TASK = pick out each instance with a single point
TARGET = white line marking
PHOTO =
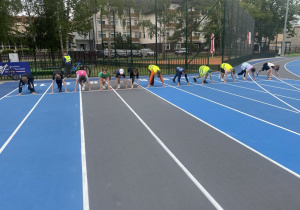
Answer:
(278, 126)
(246, 98)
(25, 118)
(8, 94)
(248, 147)
(264, 92)
(281, 88)
(85, 191)
(289, 70)
(274, 95)
(186, 171)
(286, 83)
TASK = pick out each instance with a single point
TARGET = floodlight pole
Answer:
(156, 32)
(186, 31)
(284, 30)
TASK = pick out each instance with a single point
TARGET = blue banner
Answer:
(20, 67)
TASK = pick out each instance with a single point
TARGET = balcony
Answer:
(133, 27)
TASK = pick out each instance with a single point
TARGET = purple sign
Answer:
(20, 67)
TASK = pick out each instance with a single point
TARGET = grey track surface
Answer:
(283, 73)
(128, 169)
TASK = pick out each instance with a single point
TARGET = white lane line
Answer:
(289, 70)
(278, 126)
(246, 98)
(286, 83)
(19, 126)
(274, 95)
(8, 94)
(248, 147)
(85, 190)
(186, 171)
(280, 88)
(264, 92)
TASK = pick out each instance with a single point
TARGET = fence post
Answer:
(168, 66)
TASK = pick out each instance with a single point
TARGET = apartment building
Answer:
(104, 28)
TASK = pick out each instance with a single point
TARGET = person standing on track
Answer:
(81, 78)
(28, 79)
(59, 78)
(120, 73)
(104, 78)
(153, 69)
(246, 67)
(179, 72)
(133, 72)
(226, 68)
(204, 71)
(68, 64)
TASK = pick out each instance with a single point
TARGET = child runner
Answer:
(28, 79)
(226, 68)
(120, 73)
(133, 72)
(59, 78)
(153, 69)
(179, 72)
(204, 71)
(268, 67)
(82, 77)
(104, 78)
(246, 67)
(68, 64)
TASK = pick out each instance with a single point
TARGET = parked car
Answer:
(112, 53)
(147, 52)
(181, 51)
(136, 53)
(121, 53)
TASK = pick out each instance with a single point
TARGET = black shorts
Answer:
(222, 71)
(265, 67)
(118, 75)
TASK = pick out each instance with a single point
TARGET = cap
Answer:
(121, 71)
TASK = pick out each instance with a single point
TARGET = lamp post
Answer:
(284, 30)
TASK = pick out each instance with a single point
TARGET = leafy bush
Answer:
(6, 51)
(25, 51)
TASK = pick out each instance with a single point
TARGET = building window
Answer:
(125, 34)
(137, 34)
(166, 46)
(99, 21)
(196, 33)
(128, 22)
(196, 46)
(167, 33)
(144, 35)
(136, 22)
(177, 46)
(112, 35)
(112, 22)
(99, 34)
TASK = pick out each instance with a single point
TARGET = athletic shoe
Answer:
(119, 85)
(173, 80)
(257, 74)
(194, 79)
(60, 90)
(82, 88)
(103, 87)
(237, 76)
(222, 79)
(205, 82)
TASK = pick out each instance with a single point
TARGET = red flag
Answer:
(212, 43)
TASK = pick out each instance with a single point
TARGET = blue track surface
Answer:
(41, 165)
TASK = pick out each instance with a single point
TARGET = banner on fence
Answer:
(20, 67)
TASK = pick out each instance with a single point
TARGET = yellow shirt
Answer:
(154, 68)
(227, 67)
(203, 70)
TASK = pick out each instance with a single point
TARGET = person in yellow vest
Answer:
(68, 64)
(204, 71)
(153, 69)
(226, 68)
